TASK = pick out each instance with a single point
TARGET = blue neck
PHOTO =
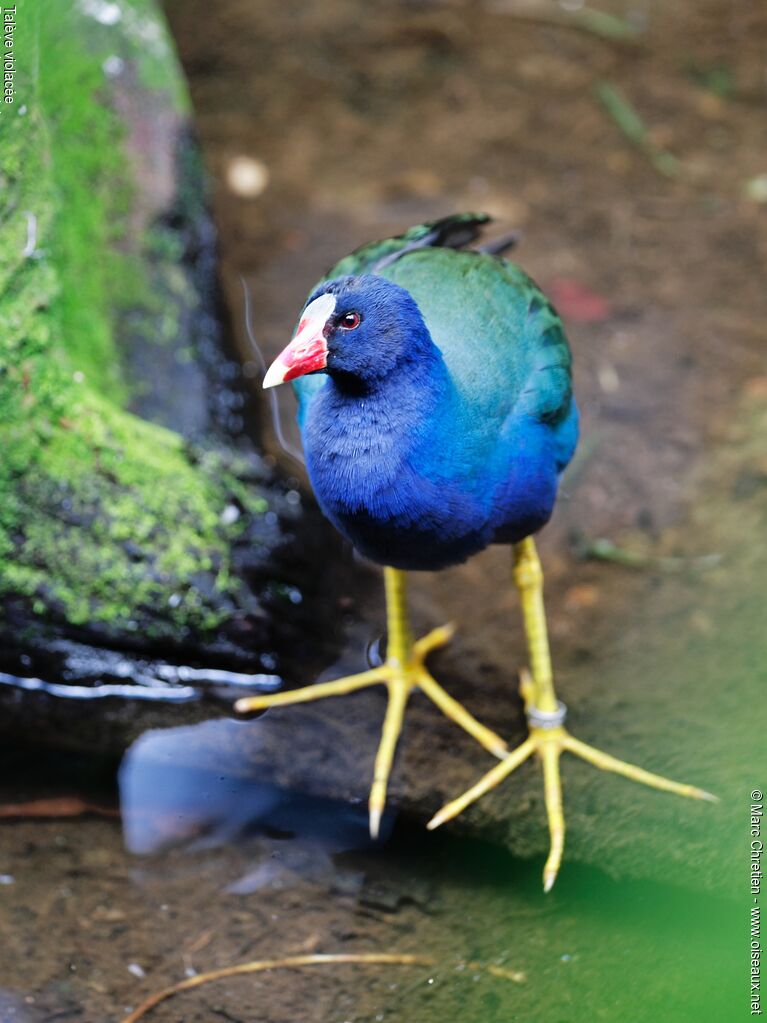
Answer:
(365, 432)
(404, 403)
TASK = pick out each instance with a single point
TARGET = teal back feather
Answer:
(503, 343)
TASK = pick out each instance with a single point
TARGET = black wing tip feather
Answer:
(452, 232)
(461, 229)
(456, 230)
(503, 243)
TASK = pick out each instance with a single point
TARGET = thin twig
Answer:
(602, 549)
(260, 965)
(274, 405)
(633, 127)
(54, 808)
(31, 243)
(589, 20)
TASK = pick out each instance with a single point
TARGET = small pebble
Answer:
(756, 387)
(756, 188)
(103, 11)
(580, 596)
(247, 177)
(113, 66)
(608, 378)
(229, 515)
(136, 970)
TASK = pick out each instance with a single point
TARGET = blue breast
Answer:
(412, 482)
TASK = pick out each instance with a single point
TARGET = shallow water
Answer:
(224, 870)
(187, 858)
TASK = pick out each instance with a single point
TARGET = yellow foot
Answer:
(549, 739)
(400, 678)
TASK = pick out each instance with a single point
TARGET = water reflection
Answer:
(168, 799)
(12, 1008)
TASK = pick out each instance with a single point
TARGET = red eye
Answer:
(349, 321)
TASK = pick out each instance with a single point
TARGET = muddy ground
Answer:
(369, 117)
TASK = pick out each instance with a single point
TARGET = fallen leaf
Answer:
(60, 806)
(576, 302)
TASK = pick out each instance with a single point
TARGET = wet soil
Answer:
(369, 117)
(122, 927)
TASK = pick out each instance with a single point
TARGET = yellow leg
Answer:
(552, 790)
(392, 726)
(546, 716)
(403, 671)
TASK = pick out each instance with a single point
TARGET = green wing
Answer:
(501, 339)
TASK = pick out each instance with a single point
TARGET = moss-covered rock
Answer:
(114, 528)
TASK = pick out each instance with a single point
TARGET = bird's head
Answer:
(353, 328)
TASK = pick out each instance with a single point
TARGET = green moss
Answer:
(104, 519)
(117, 524)
(102, 271)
